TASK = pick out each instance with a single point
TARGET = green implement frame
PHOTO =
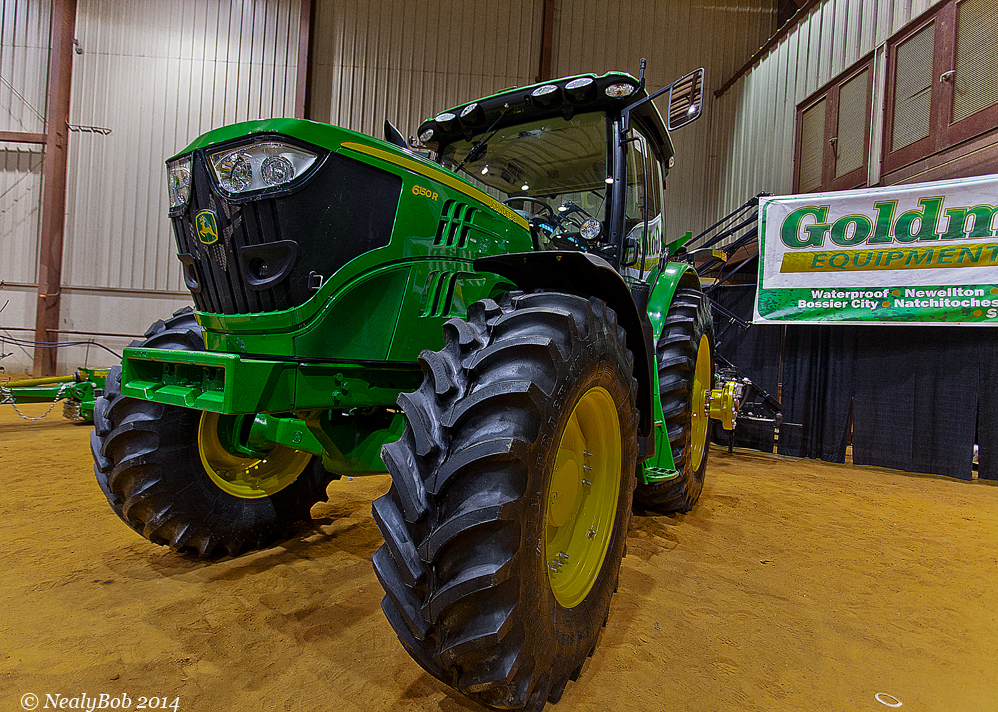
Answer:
(80, 390)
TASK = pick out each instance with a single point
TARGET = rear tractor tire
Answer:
(511, 496)
(685, 356)
(166, 474)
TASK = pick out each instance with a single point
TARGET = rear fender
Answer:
(674, 276)
(587, 275)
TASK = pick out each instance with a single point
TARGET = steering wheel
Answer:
(545, 209)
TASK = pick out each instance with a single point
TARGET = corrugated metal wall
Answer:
(407, 60)
(24, 41)
(156, 73)
(675, 38)
(753, 129)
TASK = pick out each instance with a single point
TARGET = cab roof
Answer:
(568, 96)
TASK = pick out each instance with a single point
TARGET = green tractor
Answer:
(499, 329)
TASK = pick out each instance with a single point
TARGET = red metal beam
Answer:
(54, 186)
(547, 41)
(302, 93)
(22, 137)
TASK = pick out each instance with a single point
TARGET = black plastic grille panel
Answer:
(273, 253)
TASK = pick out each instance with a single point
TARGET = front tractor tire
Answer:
(511, 496)
(167, 475)
(685, 356)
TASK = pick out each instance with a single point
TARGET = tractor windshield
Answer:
(552, 171)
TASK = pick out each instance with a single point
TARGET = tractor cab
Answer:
(582, 159)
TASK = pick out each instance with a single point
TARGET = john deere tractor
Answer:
(499, 328)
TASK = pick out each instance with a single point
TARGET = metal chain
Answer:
(8, 399)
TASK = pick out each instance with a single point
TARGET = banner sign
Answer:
(923, 253)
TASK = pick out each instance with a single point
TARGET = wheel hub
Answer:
(582, 497)
(242, 476)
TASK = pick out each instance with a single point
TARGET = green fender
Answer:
(660, 466)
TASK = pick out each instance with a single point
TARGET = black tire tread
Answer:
(455, 608)
(688, 317)
(131, 447)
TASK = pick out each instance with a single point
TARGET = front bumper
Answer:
(231, 384)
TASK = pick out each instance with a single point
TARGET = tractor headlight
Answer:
(178, 181)
(259, 166)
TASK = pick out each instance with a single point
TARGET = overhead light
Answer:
(472, 115)
(546, 96)
(447, 120)
(609, 180)
(562, 208)
(524, 187)
(619, 90)
(692, 110)
(485, 170)
(581, 89)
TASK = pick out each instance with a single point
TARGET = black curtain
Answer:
(817, 391)
(916, 398)
(987, 404)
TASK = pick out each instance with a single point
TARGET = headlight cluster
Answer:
(259, 166)
(178, 181)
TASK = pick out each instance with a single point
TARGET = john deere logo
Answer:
(207, 227)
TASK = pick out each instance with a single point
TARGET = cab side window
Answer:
(643, 202)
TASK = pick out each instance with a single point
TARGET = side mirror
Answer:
(685, 100)
(393, 135)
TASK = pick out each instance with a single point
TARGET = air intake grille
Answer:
(913, 88)
(812, 145)
(976, 77)
(455, 224)
(850, 149)
(273, 253)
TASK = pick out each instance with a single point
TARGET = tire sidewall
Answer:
(600, 362)
(694, 476)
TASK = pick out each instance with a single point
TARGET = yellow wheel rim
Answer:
(700, 418)
(246, 477)
(582, 497)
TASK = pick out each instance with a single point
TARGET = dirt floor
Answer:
(791, 586)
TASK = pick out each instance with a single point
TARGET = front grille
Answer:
(275, 252)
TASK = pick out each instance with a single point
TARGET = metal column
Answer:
(54, 182)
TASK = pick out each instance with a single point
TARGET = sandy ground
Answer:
(792, 586)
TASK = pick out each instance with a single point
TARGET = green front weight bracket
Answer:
(267, 431)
